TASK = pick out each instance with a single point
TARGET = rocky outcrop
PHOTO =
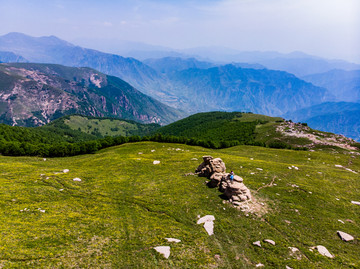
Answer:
(215, 170)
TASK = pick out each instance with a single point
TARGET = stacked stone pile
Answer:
(215, 170)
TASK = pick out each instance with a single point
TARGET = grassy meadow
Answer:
(124, 206)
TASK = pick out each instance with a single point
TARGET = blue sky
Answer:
(328, 28)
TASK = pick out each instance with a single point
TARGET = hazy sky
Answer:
(329, 28)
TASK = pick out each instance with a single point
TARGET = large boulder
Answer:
(215, 170)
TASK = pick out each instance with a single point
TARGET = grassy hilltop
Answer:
(125, 205)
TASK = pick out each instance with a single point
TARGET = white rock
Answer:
(44, 159)
(339, 220)
(209, 227)
(355, 203)
(77, 179)
(177, 149)
(156, 162)
(290, 167)
(173, 240)
(257, 243)
(344, 236)
(260, 169)
(288, 267)
(153, 150)
(165, 250)
(66, 171)
(323, 251)
(338, 165)
(270, 241)
(293, 249)
(42, 210)
(259, 265)
(205, 219)
(61, 189)
(140, 153)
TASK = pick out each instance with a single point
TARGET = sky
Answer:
(326, 28)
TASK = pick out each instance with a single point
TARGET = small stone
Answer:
(44, 159)
(355, 202)
(260, 169)
(42, 210)
(338, 165)
(344, 236)
(156, 162)
(140, 153)
(205, 219)
(77, 179)
(165, 250)
(259, 265)
(257, 243)
(209, 227)
(323, 251)
(290, 167)
(270, 241)
(66, 171)
(293, 249)
(173, 240)
(288, 267)
(153, 150)
(339, 220)
(61, 189)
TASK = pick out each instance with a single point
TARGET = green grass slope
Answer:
(125, 205)
(101, 127)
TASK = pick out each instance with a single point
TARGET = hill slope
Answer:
(118, 212)
(35, 94)
(336, 117)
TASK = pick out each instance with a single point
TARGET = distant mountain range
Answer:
(35, 94)
(344, 85)
(203, 82)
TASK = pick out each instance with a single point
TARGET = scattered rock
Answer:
(344, 236)
(293, 249)
(257, 243)
(165, 250)
(260, 169)
(259, 265)
(66, 171)
(208, 221)
(355, 202)
(270, 241)
(153, 150)
(61, 189)
(140, 153)
(323, 251)
(77, 179)
(156, 162)
(173, 240)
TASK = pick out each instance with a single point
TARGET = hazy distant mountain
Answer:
(344, 85)
(174, 64)
(10, 57)
(34, 94)
(232, 88)
(297, 63)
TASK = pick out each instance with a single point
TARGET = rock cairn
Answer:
(215, 170)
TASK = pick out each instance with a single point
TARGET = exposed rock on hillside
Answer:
(215, 170)
(298, 130)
